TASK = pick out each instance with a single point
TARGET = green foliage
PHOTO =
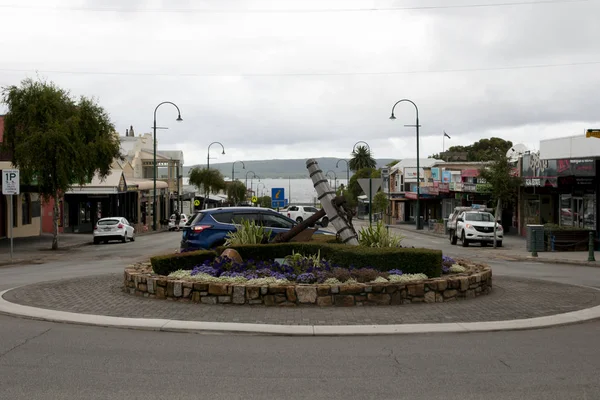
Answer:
(361, 158)
(55, 140)
(503, 185)
(380, 202)
(264, 201)
(247, 233)
(236, 192)
(378, 236)
(392, 163)
(207, 180)
(482, 150)
(354, 189)
(409, 260)
(299, 260)
(164, 265)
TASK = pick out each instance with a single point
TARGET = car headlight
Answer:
(469, 226)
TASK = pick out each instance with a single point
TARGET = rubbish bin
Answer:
(445, 226)
(535, 238)
(420, 223)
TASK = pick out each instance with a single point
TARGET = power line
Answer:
(293, 74)
(288, 11)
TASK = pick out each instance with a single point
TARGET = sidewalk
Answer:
(513, 247)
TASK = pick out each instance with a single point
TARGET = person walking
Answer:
(177, 219)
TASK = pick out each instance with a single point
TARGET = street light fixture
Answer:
(233, 169)
(361, 141)
(392, 117)
(208, 153)
(258, 190)
(155, 169)
(253, 174)
(347, 170)
(334, 179)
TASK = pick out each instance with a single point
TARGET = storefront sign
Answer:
(435, 174)
(469, 187)
(541, 182)
(446, 176)
(444, 187)
(458, 186)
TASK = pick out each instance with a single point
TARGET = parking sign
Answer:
(10, 181)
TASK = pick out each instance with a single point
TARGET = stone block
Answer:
(255, 302)
(351, 289)
(269, 300)
(264, 290)
(252, 292)
(377, 288)
(306, 294)
(431, 285)
(151, 284)
(450, 293)
(429, 297)
(196, 297)
(161, 282)
(280, 298)
(142, 287)
(201, 287)
(232, 254)
(379, 298)
(341, 300)
(186, 292)
(391, 289)
(290, 293)
(416, 290)
(335, 289)
(217, 289)
(368, 289)
(224, 299)
(417, 299)
(360, 297)
(473, 285)
(464, 284)
(472, 280)
(188, 284)
(323, 290)
(276, 289)
(477, 278)
(161, 293)
(177, 289)
(208, 300)
(442, 285)
(170, 289)
(453, 284)
(396, 298)
(439, 298)
(324, 301)
(239, 295)
(470, 294)
(204, 293)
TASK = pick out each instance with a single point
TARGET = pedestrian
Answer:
(177, 219)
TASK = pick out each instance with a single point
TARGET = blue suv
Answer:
(208, 228)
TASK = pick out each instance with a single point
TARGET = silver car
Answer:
(113, 228)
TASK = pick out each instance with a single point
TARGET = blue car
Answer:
(208, 228)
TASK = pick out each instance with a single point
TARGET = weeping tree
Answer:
(236, 192)
(361, 158)
(56, 141)
(207, 180)
(504, 185)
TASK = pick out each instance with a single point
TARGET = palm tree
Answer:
(209, 180)
(361, 158)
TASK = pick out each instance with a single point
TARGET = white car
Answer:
(172, 222)
(113, 228)
(477, 227)
(300, 213)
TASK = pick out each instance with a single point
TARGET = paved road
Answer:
(41, 360)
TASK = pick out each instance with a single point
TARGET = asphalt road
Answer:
(40, 360)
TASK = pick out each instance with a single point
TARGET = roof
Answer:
(147, 184)
(412, 163)
(114, 182)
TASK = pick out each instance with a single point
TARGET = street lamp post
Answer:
(418, 218)
(254, 175)
(334, 179)
(208, 153)
(347, 170)
(155, 169)
(370, 182)
(258, 190)
(233, 169)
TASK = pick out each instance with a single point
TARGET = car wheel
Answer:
(453, 237)
(325, 222)
(132, 238)
(299, 220)
(464, 241)
(124, 238)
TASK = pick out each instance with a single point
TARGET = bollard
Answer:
(552, 242)
(534, 250)
(591, 248)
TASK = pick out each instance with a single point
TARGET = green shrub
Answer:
(409, 260)
(247, 232)
(378, 236)
(164, 265)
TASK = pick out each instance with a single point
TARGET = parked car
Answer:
(113, 228)
(301, 213)
(208, 229)
(182, 221)
(474, 226)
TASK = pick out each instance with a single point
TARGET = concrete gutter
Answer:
(168, 325)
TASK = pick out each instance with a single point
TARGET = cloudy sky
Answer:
(310, 78)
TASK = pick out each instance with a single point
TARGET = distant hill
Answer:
(292, 168)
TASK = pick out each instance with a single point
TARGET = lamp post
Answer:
(257, 188)
(418, 218)
(334, 179)
(370, 183)
(233, 169)
(155, 169)
(361, 141)
(208, 153)
(347, 170)
(253, 174)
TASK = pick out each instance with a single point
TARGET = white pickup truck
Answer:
(300, 213)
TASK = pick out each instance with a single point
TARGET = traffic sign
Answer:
(254, 199)
(375, 185)
(277, 194)
(10, 181)
(197, 203)
(278, 203)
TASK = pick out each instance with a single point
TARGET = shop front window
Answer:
(589, 212)
(532, 211)
(566, 210)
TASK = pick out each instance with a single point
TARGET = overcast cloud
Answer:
(311, 84)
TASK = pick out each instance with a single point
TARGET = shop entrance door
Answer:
(578, 212)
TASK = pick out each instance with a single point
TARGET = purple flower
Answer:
(306, 278)
(395, 272)
(204, 269)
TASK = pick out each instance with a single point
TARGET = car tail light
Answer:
(200, 228)
(120, 226)
(289, 215)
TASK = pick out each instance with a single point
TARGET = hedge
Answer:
(164, 265)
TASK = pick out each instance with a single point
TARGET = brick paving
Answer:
(512, 298)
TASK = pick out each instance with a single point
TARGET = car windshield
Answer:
(487, 217)
(108, 222)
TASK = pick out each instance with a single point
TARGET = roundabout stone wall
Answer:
(437, 290)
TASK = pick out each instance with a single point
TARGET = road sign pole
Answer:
(10, 222)
(370, 200)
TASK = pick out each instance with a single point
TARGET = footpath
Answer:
(514, 247)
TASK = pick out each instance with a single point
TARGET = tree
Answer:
(236, 192)
(207, 180)
(482, 150)
(503, 184)
(361, 158)
(55, 141)
(391, 164)
(380, 202)
(264, 201)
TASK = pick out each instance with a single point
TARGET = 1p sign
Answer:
(10, 181)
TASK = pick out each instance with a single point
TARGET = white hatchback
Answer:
(172, 222)
(113, 228)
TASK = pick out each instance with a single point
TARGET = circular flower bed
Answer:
(300, 279)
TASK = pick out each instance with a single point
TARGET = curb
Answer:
(166, 325)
